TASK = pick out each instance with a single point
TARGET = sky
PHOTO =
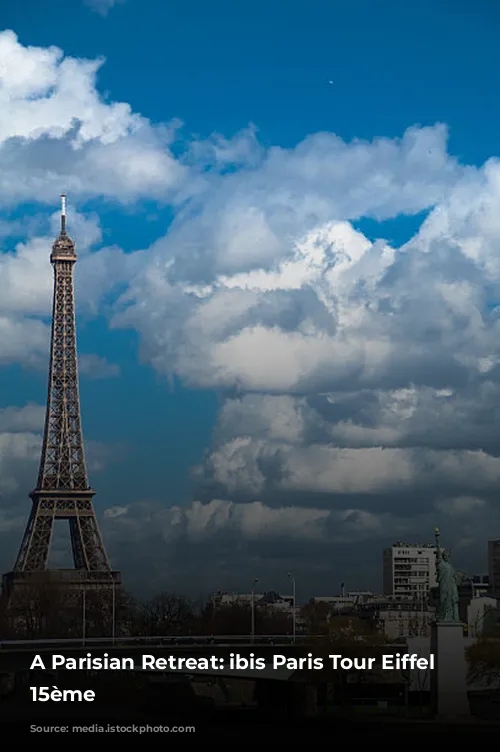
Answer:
(288, 285)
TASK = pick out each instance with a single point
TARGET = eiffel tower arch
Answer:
(63, 491)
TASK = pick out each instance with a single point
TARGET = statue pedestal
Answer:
(449, 678)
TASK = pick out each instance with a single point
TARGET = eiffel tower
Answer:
(63, 490)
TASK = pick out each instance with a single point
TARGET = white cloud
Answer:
(58, 134)
(250, 521)
(22, 341)
(238, 466)
(405, 418)
(16, 450)
(339, 308)
(22, 419)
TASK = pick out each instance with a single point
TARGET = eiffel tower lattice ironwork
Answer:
(63, 491)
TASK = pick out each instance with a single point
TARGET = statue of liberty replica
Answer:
(448, 580)
(449, 679)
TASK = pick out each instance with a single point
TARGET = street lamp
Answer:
(256, 579)
(294, 617)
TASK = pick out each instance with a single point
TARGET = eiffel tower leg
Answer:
(77, 544)
(88, 548)
(21, 556)
(34, 551)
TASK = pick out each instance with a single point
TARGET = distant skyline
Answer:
(288, 285)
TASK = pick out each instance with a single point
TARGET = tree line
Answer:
(45, 610)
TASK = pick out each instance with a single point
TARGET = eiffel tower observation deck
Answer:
(63, 491)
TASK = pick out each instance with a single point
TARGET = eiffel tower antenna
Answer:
(63, 491)
(63, 214)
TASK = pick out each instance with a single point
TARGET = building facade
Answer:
(480, 584)
(346, 601)
(273, 600)
(409, 571)
(400, 622)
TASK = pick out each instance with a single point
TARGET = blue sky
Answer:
(266, 128)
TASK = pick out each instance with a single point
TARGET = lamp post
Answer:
(256, 579)
(294, 617)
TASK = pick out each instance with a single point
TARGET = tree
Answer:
(38, 609)
(166, 614)
(226, 619)
(101, 607)
(316, 617)
(44, 608)
(348, 636)
(236, 619)
(273, 621)
(484, 660)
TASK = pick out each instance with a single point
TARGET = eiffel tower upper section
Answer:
(62, 465)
